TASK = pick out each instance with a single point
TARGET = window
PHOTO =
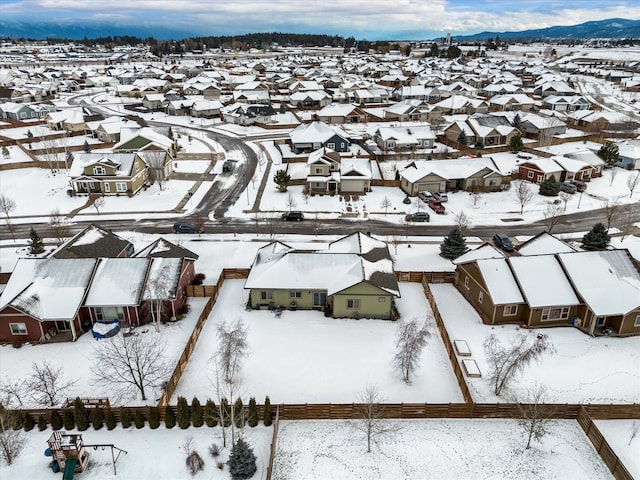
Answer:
(318, 170)
(637, 322)
(466, 283)
(353, 303)
(510, 310)
(99, 171)
(121, 187)
(529, 174)
(295, 294)
(556, 313)
(107, 187)
(18, 328)
(331, 145)
(384, 299)
(107, 314)
(266, 295)
(480, 297)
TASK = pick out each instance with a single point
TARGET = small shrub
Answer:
(220, 465)
(266, 415)
(242, 461)
(169, 418)
(110, 419)
(198, 279)
(195, 463)
(210, 413)
(42, 423)
(68, 420)
(214, 450)
(28, 423)
(183, 415)
(138, 419)
(184, 309)
(197, 415)
(56, 420)
(154, 417)
(81, 413)
(125, 417)
(97, 418)
(253, 413)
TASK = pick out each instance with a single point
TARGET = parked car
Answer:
(227, 166)
(417, 217)
(436, 206)
(184, 227)
(293, 216)
(502, 241)
(580, 185)
(568, 187)
(425, 196)
(440, 196)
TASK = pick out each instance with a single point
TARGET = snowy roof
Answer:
(485, 251)
(315, 132)
(542, 281)
(166, 249)
(117, 282)
(123, 161)
(499, 281)
(544, 244)
(162, 279)
(48, 289)
(337, 110)
(608, 281)
(92, 242)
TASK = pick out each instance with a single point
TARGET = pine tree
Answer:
(5, 151)
(515, 144)
(110, 419)
(125, 417)
(462, 137)
(169, 418)
(242, 461)
(610, 153)
(27, 422)
(138, 419)
(183, 415)
(453, 245)
(226, 412)
(56, 420)
(82, 416)
(36, 245)
(68, 421)
(197, 415)
(42, 423)
(86, 147)
(253, 413)
(97, 418)
(282, 179)
(266, 414)
(550, 187)
(154, 417)
(238, 413)
(211, 413)
(597, 238)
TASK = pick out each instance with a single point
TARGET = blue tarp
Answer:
(105, 329)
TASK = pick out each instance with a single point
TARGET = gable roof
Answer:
(499, 280)
(316, 132)
(93, 242)
(542, 281)
(117, 282)
(544, 244)
(162, 248)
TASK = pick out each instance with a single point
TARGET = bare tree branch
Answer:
(47, 385)
(411, 338)
(371, 417)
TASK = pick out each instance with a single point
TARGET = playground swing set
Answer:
(70, 454)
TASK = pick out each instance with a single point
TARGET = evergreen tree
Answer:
(453, 245)
(169, 418)
(253, 413)
(5, 151)
(82, 416)
(282, 179)
(110, 419)
(56, 420)
(610, 153)
(550, 187)
(515, 144)
(226, 412)
(266, 414)
(97, 418)
(517, 121)
(35, 242)
(27, 422)
(138, 419)
(242, 461)
(42, 423)
(86, 147)
(183, 415)
(238, 412)
(433, 50)
(154, 417)
(68, 421)
(197, 415)
(462, 137)
(211, 413)
(125, 417)
(597, 238)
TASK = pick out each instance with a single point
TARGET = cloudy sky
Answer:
(370, 19)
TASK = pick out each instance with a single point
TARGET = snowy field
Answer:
(152, 454)
(435, 450)
(584, 369)
(305, 357)
(618, 434)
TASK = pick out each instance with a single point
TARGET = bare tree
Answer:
(386, 204)
(506, 361)
(411, 338)
(12, 438)
(306, 194)
(157, 291)
(232, 349)
(632, 182)
(552, 216)
(291, 202)
(476, 193)
(156, 163)
(535, 415)
(52, 148)
(47, 385)
(565, 197)
(130, 364)
(98, 201)
(611, 209)
(13, 392)
(462, 220)
(199, 221)
(59, 229)
(371, 419)
(7, 205)
(524, 193)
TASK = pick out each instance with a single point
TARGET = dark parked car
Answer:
(568, 187)
(294, 216)
(417, 217)
(436, 206)
(580, 185)
(184, 227)
(502, 241)
(227, 166)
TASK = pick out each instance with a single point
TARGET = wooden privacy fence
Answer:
(274, 444)
(209, 290)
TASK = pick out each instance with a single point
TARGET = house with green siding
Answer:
(353, 277)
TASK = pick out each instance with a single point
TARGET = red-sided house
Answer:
(539, 169)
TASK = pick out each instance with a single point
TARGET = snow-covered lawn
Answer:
(77, 358)
(435, 450)
(304, 356)
(618, 434)
(584, 369)
(152, 454)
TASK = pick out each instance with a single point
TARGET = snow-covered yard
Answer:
(305, 357)
(436, 450)
(584, 369)
(619, 436)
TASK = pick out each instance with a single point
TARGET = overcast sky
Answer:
(370, 19)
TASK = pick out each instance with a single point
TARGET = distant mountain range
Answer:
(611, 28)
